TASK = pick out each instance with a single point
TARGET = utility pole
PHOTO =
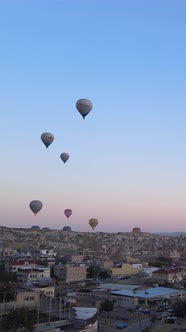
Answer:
(69, 306)
(60, 307)
(140, 322)
(49, 314)
(38, 309)
(14, 300)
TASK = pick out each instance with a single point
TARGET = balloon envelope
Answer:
(93, 222)
(47, 139)
(84, 106)
(35, 227)
(36, 206)
(68, 212)
(64, 156)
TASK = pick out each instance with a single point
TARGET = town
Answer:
(72, 281)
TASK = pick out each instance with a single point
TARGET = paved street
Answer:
(139, 326)
(110, 326)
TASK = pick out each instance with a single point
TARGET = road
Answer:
(139, 326)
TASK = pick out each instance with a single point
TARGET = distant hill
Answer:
(113, 245)
(171, 233)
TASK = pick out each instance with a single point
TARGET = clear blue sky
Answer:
(127, 163)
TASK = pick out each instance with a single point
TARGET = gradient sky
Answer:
(127, 163)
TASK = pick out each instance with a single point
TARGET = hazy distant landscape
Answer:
(118, 245)
(171, 233)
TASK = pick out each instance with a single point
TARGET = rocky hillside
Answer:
(117, 244)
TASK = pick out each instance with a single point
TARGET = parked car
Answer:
(143, 310)
(167, 307)
(121, 326)
(165, 314)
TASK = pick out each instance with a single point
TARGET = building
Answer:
(25, 297)
(107, 264)
(170, 254)
(85, 318)
(130, 259)
(109, 250)
(75, 272)
(167, 276)
(127, 269)
(71, 272)
(148, 296)
(104, 290)
(59, 270)
(23, 255)
(44, 288)
(174, 254)
(47, 255)
(30, 274)
(8, 252)
(14, 254)
(77, 258)
(70, 299)
(12, 266)
(22, 297)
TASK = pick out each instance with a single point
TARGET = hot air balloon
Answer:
(64, 156)
(67, 229)
(68, 212)
(93, 222)
(47, 139)
(36, 206)
(35, 227)
(84, 106)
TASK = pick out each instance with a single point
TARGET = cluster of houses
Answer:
(34, 281)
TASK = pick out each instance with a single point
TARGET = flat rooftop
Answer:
(148, 292)
(84, 313)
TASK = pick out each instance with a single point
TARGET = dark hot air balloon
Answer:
(84, 106)
(36, 206)
(64, 156)
(47, 139)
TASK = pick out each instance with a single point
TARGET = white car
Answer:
(166, 314)
(144, 310)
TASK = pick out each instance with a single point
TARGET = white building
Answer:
(8, 252)
(47, 255)
(43, 288)
(30, 274)
(85, 318)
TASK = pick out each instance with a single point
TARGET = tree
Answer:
(6, 277)
(106, 306)
(19, 318)
(104, 274)
(180, 309)
(7, 293)
(93, 271)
